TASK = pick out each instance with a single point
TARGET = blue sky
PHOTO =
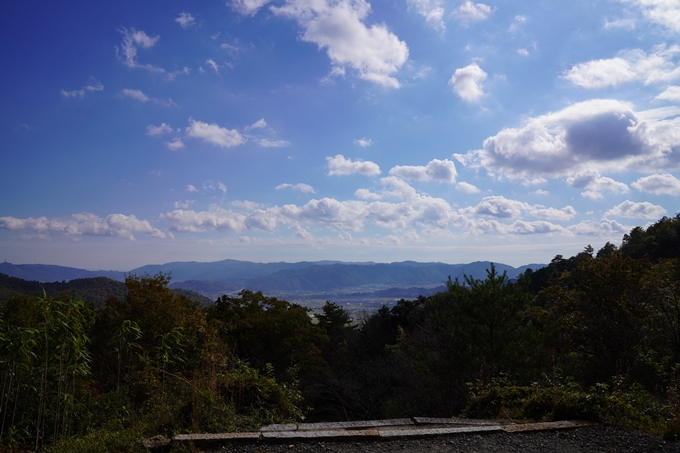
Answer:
(287, 130)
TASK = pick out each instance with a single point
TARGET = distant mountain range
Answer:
(319, 277)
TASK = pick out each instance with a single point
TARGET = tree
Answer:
(265, 330)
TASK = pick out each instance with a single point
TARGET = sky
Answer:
(139, 132)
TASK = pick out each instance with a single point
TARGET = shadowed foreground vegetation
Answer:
(595, 336)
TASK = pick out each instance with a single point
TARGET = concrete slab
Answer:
(355, 425)
(425, 432)
(279, 427)
(546, 426)
(336, 434)
(215, 437)
(458, 421)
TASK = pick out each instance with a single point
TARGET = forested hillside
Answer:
(595, 336)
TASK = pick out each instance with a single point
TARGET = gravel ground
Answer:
(578, 440)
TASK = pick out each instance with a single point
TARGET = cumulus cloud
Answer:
(473, 12)
(191, 189)
(595, 184)
(467, 187)
(222, 188)
(132, 41)
(95, 85)
(498, 206)
(439, 170)
(363, 142)
(566, 213)
(662, 12)
(365, 194)
(432, 11)
(175, 144)
(248, 7)
(215, 219)
(665, 184)
(632, 210)
(158, 130)
(186, 20)
(671, 93)
(338, 26)
(628, 66)
(601, 134)
(300, 187)
(85, 224)
(467, 83)
(603, 227)
(214, 134)
(341, 166)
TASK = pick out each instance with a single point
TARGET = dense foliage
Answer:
(593, 336)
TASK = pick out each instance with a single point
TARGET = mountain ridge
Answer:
(280, 277)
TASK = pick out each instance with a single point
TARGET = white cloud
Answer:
(523, 52)
(158, 130)
(374, 52)
(173, 75)
(566, 213)
(498, 206)
(186, 20)
(412, 214)
(662, 12)
(540, 192)
(94, 86)
(628, 24)
(175, 144)
(363, 142)
(432, 11)
(671, 93)
(300, 187)
(601, 134)
(246, 205)
(222, 188)
(421, 74)
(628, 66)
(85, 224)
(472, 12)
(595, 184)
(259, 124)
(248, 7)
(534, 181)
(132, 40)
(365, 194)
(136, 94)
(191, 189)
(214, 66)
(341, 166)
(467, 83)
(467, 187)
(212, 133)
(442, 170)
(631, 210)
(517, 23)
(665, 184)
(267, 143)
(183, 204)
(604, 227)
(215, 219)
